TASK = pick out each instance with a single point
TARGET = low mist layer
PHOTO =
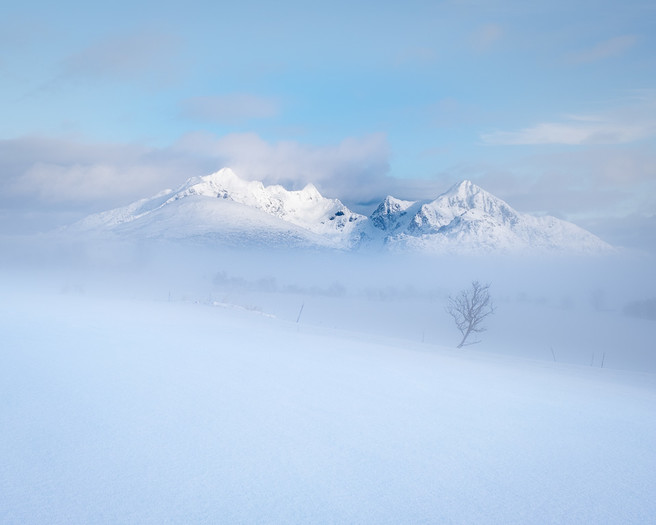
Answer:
(581, 310)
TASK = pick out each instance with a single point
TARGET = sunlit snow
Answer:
(219, 206)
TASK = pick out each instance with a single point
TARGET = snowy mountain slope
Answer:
(393, 214)
(467, 218)
(225, 208)
(221, 221)
(129, 213)
(203, 219)
(306, 208)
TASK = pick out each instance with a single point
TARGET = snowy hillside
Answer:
(155, 383)
(222, 207)
(155, 411)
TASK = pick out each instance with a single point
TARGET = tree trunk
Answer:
(464, 338)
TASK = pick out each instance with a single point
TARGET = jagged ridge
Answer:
(465, 218)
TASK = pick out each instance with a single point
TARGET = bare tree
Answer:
(469, 308)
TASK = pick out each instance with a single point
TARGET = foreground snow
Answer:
(128, 411)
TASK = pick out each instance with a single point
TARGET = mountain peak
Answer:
(217, 184)
(464, 189)
(311, 192)
(389, 213)
(464, 218)
(224, 173)
(223, 176)
(226, 177)
(392, 204)
(466, 196)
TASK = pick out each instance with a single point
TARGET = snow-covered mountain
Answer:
(466, 218)
(224, 208)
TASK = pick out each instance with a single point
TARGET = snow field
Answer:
(141, 411)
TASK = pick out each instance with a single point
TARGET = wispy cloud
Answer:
(486, 36)
(229, 109)
(571, 132)
(137, 55)
(616, 126)
(610, 48)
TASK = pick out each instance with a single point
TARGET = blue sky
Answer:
(551, 106)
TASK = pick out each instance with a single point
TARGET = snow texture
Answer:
(132, 411)
(192, 385)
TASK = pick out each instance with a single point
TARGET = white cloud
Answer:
(230, 109)
(352, 167)
(622, 125)
(610, 48)
(84, 183)
(39, 175)
(570, 132)
(43, 172)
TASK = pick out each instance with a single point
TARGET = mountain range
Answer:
(223, 208)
